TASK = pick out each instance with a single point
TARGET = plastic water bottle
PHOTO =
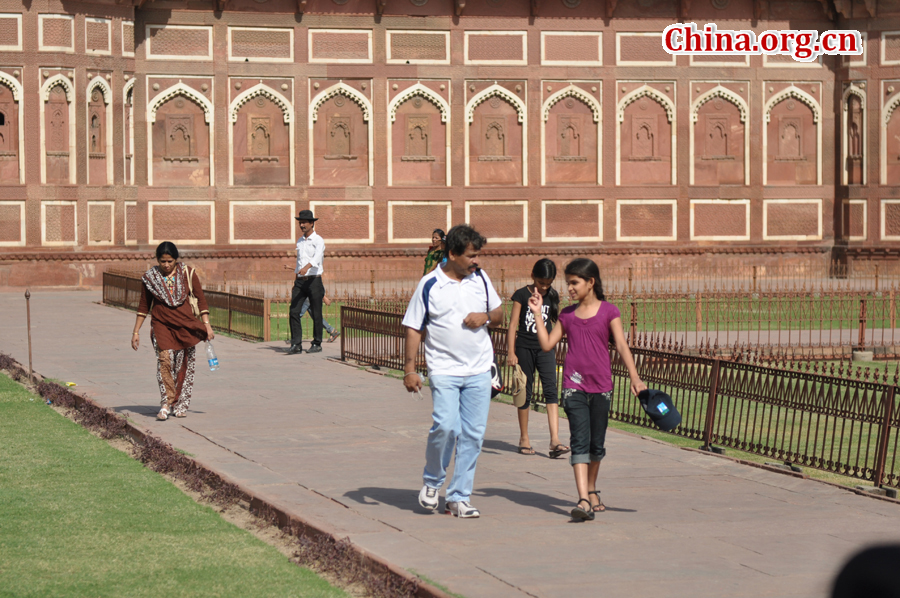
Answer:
(211, 357)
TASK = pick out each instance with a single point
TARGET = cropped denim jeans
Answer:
(461, 405)
(588, 415)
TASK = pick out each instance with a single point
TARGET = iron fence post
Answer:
(228, 304)
(372, 284)
(884, 433)
(711, 404)
(28, 319)
(267, 322)
(862, 323)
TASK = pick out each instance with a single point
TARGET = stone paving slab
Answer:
(344, 448)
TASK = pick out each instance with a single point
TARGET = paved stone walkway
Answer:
(345, 448)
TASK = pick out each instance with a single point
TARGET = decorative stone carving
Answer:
(793, 92)
(180, 89)
(179, 139)
(573, 92)
(498, 91)
(338, 141)
(261, 90)
(343, 90)
(418, 138)
(646, 91)
(419, 90)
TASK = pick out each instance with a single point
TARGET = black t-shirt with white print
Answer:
(526, 336)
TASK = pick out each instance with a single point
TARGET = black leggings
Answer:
(545, 363)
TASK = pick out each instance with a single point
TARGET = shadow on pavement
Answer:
(402, 498)
(526, 498)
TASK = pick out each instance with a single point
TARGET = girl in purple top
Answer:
(587, 375)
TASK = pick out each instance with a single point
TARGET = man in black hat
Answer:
(307, 284)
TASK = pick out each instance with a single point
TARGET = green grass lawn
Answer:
(80, 518)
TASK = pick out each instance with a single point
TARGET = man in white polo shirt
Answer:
(457, 304)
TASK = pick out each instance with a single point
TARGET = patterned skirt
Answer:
(175, 374)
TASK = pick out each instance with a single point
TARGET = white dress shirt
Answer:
(452, 348)
(310, 250)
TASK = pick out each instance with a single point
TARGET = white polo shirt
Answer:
(451, 348)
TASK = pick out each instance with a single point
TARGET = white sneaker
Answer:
(428, 498)
(462, 509)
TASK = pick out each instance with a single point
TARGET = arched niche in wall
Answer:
(340, 138)
(853, 138)
(645, 138)
(128, 131)
(890, 140)
(418, 139)
(261, 138)
(496, 130)
(720, 145)
(57, 131)
(571, 138)
(180, 138)
(99, 132)
(792, 140)
(12, 132)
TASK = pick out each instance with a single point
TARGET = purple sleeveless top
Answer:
(587, 365)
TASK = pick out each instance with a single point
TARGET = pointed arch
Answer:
(726, 94)
(495, 90)
(264, 90)
(343, 89)
(419, 90)
(442, 105)
(164, 96)
(128, 133)
(100, 82)
(18, 96)
(573, 92)
(646, 91)
(287, 110)
(798, 94)
(729, 96)
(853, 90)
(593, 103)
(104, 87)
(62, 81)
(14, 86)
(48, 85)
(180, 89)
(792, 91)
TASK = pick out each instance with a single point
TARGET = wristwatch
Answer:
(488, 314)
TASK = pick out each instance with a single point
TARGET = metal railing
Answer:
(814, 419)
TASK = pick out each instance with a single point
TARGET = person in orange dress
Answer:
(174, 330)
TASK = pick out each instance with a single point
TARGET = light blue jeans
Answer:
(305, 308)
(461, 406)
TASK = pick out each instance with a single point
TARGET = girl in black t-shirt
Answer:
(523, 349)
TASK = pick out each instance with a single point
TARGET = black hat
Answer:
(305, 215)
(660, 408)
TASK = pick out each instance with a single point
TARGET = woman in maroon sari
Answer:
(174, 330)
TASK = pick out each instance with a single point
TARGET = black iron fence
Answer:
(813, 419)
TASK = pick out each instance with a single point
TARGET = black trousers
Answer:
(312, 289)
(545, 364)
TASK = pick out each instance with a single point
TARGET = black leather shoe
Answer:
(295, 349)
(315, 349)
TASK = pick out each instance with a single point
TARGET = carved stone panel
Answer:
(718, 144)
(341, 152)
(792, 140)
(261, 144)
(418, 140)
(646, 146)
(9, 138)
(129, 150)
(495, 144)
(855, 132)
(180, 144)
(97, 154)
(56, 131)
(571, 144)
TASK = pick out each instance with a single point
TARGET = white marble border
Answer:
(352, 94)
(671, 111)
(703, 63)
(173, 202)
(371, 204)
(112, 222)
(884, 235)
(233, 58)
(18, 94)
(290, 205)
(287, 109)
(68, 86)
(44, 240)
(598, 62)
(865, 205)
(128, 136)
(126, 52)
(520, 62)
(148, 41)
(768, 237)
(391, 204)
(106, 90)
(547, 239)
(108, 36)
(21, 241)
(521, 107)
(722, 202)
(42, 47)
(884, 61)
(309, 43)
(18, 17)
(388, 42)
(792, 91)
(732, 97)
(432, 96)
(642, 202)
(516, 202)
(793, 64)
(572, 90)
(620, 62)
(125, 220)
(853, 89)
